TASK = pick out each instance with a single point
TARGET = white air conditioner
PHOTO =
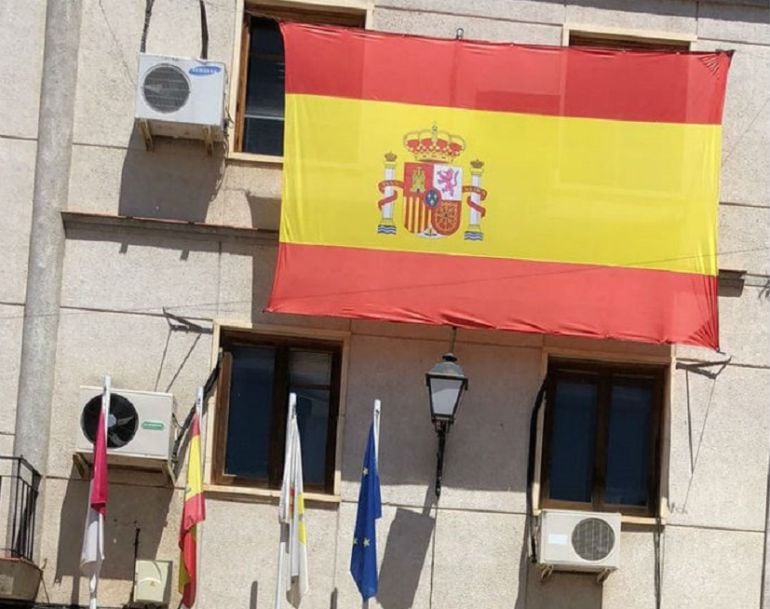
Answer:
(179, 97)
(139, 432)
(579, 541)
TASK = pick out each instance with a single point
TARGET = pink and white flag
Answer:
(92, 554)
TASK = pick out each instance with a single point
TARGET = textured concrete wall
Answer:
(471, 551)
(19, 97)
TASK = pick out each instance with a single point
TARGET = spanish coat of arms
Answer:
(432, 188)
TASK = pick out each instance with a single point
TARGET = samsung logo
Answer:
(205, 70)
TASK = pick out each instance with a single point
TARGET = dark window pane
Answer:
(307, 371)
(251, 403)
(310, 368)
(313, 419)
(628, 445)
(572, 441)
(265, 95)
(263, 136)
(266, 37)
(264, 111)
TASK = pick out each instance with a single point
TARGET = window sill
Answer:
(262, 495)
(254, 159)
(645, 521)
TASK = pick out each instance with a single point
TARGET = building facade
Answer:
(146, 265)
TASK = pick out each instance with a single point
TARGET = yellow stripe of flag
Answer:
(563, 189)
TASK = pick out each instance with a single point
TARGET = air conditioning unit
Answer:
(179, 97)
(139, 431)
(579, 541)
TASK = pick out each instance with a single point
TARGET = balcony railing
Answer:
(19, 483)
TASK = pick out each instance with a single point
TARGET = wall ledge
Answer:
(74, 220)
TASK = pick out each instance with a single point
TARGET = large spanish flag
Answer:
(538, 189)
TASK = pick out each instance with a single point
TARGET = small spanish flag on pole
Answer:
(193, 513)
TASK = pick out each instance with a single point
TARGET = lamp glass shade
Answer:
(444, 396)
(446, 383)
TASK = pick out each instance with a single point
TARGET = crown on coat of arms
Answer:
(434, 145)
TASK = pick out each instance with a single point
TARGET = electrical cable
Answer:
(531, 466)
(204, 31)
(656, 537)
(137, 531)
(208, 386)
(146, 26)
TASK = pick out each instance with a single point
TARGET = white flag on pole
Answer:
(292, 563)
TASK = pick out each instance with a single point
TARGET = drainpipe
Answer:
(765, 591)
(46, 241)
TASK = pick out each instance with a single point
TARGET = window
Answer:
(619, 41)
(258, 374)
(600, 448)
(260, 107)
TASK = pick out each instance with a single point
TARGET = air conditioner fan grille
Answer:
(122, 422)
(166, 88)
(593, 539)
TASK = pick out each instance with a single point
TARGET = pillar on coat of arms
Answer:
(474, 232)
(386, 225)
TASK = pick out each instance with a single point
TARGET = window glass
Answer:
(310, 368)
(310, 377)
(250, 435)
(628, 445)
(264, 112)
(601, 424)
(573, 439)
(250, 412)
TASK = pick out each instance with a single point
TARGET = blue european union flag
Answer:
(363, 560)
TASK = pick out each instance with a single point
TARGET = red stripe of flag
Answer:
(656, 86)
(464, 291)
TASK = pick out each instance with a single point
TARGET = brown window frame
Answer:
(323, 15)
(580, 38)
(231, 338)
(603, 374)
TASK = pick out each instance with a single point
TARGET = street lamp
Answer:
(446, 384)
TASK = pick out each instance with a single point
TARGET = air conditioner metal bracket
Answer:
(144, 127)
(547, 570)
(209, 139)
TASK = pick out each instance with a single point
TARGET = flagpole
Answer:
(280, 588)
(199, 412)
(376, 421)
(94, 579)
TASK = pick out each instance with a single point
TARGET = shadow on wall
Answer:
(561, 590)
(265, 213)
(134, 525)
(177, 180)
(410, 539)
(406, 549)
